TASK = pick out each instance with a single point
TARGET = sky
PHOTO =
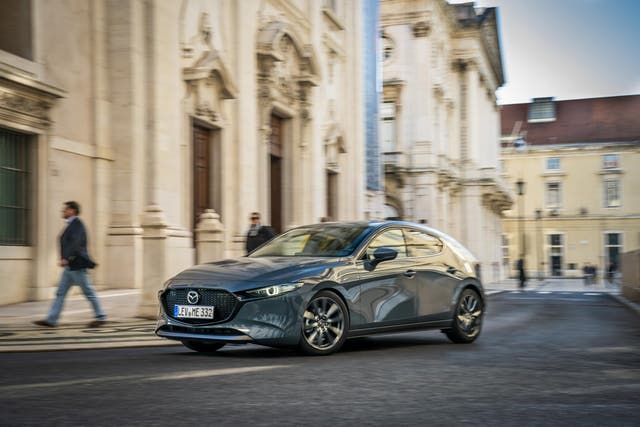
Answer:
(568, 49)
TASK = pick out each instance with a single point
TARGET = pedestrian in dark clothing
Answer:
(589, 274)
(258, 233)
(521, 274)
(74, 259)
(611, 271)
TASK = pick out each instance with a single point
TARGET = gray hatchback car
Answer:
(316, 286)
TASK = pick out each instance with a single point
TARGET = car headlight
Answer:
(275, 290)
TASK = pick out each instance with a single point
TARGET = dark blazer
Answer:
(73, 246)
(264, 234)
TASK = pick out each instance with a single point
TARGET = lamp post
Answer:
(521, 265)
(540, 243)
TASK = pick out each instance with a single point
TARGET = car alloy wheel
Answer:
(467, 320)
(324, 324)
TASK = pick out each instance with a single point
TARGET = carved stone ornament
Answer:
(209, 65)
(205, 110)
(421, 29)
(23, 104)
(27, 105)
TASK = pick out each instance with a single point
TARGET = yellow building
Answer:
(578, 163)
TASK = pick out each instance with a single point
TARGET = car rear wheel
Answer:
(202, 347)
(325, 323)
(467, 319)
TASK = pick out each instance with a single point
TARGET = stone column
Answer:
(155, 260)
(209, 237)
(125, 79)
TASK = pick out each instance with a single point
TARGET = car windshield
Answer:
(331, 240)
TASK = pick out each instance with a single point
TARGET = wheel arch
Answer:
(469, 284)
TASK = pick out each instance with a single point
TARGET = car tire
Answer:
(324, 324)
(467, 318)
(202, 347)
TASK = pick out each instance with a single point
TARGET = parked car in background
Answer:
(317, 285)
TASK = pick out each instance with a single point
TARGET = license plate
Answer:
(193, 311)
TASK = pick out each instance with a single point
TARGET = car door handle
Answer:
(452, 270)
(410, 273)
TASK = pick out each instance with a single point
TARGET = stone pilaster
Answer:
(155, 261)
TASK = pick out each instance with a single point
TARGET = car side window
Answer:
(420, 243)
(389, 239)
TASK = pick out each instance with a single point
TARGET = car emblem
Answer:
(193, 297)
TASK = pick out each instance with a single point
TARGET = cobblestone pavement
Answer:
(124, 329)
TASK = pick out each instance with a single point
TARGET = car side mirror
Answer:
(380, 255)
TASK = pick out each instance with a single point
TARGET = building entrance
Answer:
(206, 180)
(275, 165)
(555, 257)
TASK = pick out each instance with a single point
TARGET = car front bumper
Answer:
(268, 321)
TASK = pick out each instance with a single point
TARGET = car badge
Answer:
(193, 297)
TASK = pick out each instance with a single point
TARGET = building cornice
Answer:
(592, 146)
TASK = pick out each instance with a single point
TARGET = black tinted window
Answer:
(327, 241)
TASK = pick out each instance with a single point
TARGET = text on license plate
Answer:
(193, 311)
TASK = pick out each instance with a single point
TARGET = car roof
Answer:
(378, 224)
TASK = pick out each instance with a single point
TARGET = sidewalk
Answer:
(561, 285)
(124, 329)
(553, 285)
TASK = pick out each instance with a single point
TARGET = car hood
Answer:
(244, 273)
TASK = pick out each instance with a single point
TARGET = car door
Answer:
(436, 274)
(387, 294)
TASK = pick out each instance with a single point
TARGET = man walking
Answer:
(522, 276)
(74, 259)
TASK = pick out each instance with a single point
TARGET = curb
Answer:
(26, 338)
(87, 346)
(633, 306)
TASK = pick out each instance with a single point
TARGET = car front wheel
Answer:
(202, 347)
(325, 323)
(467, 318)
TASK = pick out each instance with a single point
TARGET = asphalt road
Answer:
(542, 359)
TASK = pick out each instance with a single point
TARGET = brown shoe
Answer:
(96, 323)
(44, 323)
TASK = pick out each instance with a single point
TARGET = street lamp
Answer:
(540, 243)
(521, 265)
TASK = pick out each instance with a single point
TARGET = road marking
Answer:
(87, 381)
(92, 381)
(544, 292)
(213, 373)
(592, 293)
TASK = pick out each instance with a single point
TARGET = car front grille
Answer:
(224, 303)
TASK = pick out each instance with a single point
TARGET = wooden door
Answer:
(201, 171)
(275, 148)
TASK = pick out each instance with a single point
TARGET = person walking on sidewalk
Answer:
(74, 259)
(521, 273)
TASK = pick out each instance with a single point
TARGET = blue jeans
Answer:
(68, 279)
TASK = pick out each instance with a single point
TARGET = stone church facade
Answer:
(150, 113)
(440, 124)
